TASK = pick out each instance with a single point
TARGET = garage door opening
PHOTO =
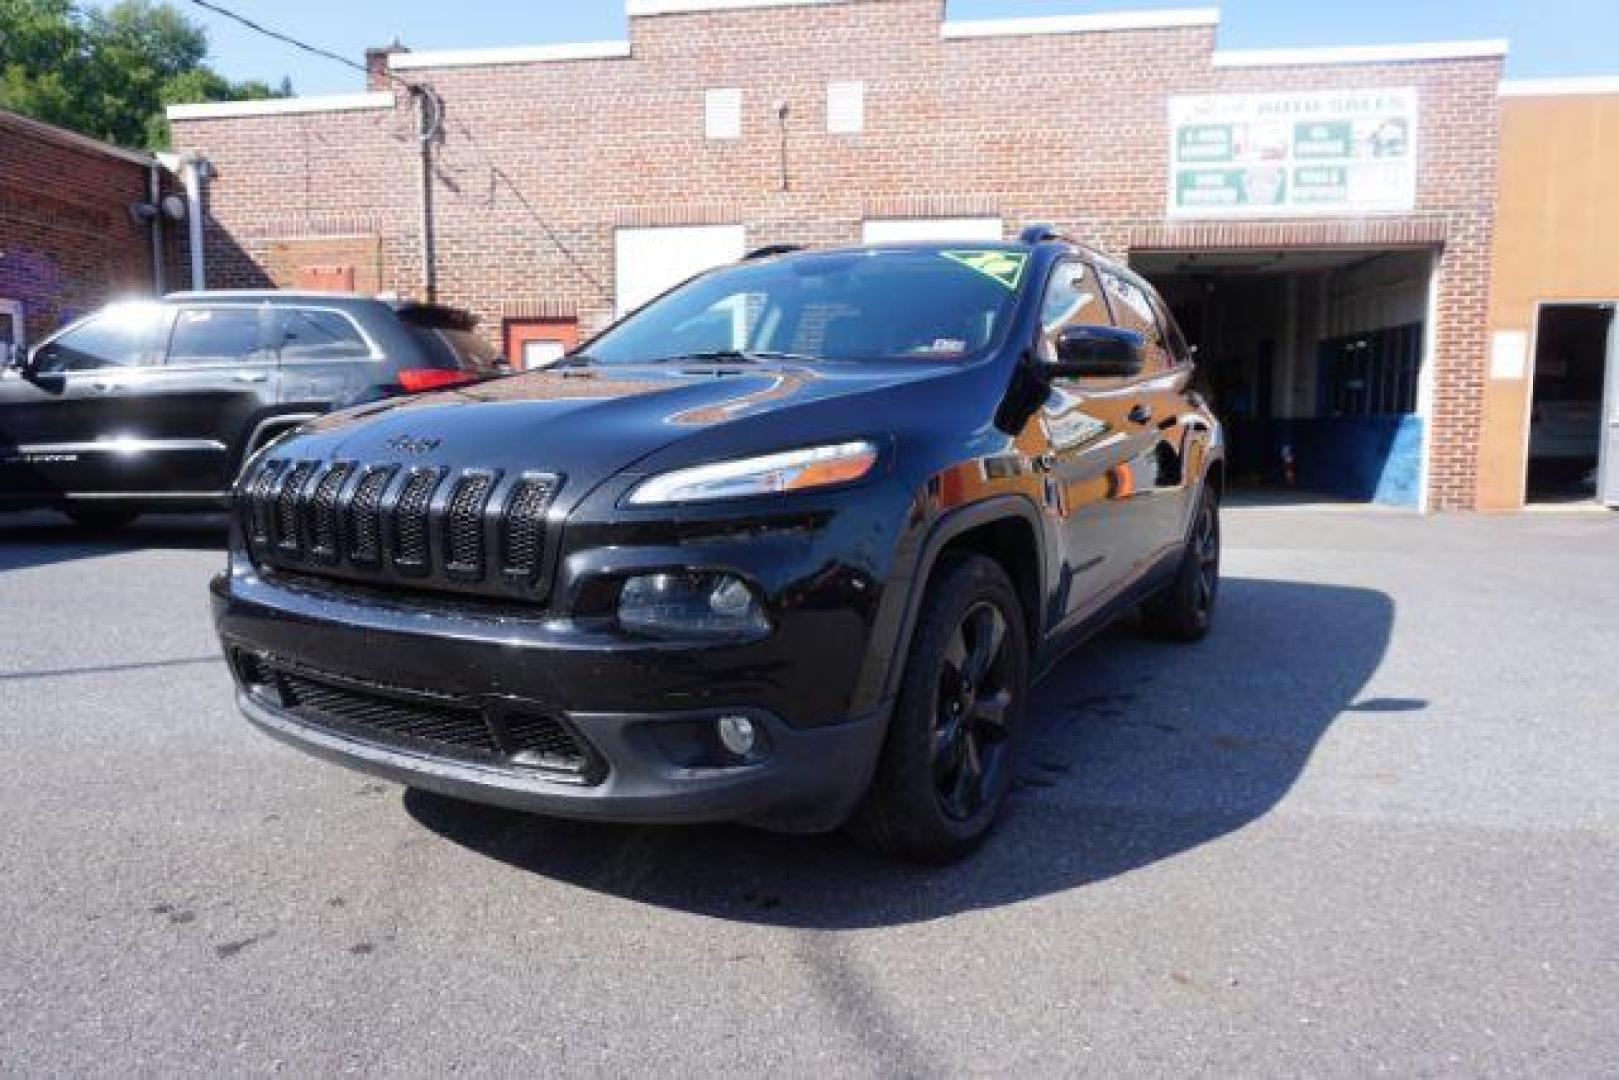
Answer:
(1574, 356)
(1313, 359)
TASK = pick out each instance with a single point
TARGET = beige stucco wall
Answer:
(1556, 239)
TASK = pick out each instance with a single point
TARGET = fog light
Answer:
(736, 734)
(716, 607)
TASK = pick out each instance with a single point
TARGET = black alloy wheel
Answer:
(1206, 549)
(974, 699)
(1184, 610)
(953, 740)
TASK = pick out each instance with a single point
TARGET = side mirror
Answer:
(28, 363)
(1096, 352)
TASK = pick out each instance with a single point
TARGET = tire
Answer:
(1184, 610)
(953, 742)
(100, 518)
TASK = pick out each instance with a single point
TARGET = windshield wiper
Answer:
(730, 356)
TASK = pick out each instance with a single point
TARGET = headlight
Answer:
(792, 470)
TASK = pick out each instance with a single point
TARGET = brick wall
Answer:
(1070, 128)
(67, 242)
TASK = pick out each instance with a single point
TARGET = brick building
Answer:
(69, 241)
(1320, 219)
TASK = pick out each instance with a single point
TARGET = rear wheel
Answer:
(952, 746)
(101, 518)
(1184, 611)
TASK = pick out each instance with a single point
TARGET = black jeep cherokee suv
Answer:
(784, 546)
(153, 405)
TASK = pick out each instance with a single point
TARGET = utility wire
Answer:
(437, 106)
(286, 39)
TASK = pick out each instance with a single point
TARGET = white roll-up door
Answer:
(650, 261)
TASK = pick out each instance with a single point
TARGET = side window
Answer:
(216, 335)
(1135, 312)
(317, 334)
(1073, 298)
(1179, 351)
(124, 335)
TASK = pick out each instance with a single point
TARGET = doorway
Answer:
(1314, 359)
(1573, 434)
(13, 333)
(539, 343)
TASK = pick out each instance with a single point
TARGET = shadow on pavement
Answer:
(1142, 750)
(43, 539)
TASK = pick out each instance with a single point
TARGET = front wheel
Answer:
(1184, 611)
(951, 752)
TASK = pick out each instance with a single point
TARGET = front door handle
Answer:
(1141, 414)
(102, 385)
(251, 376)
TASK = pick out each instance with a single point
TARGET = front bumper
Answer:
(809, 781)
(636, 709)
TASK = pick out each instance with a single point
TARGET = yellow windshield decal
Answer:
(1005, 267)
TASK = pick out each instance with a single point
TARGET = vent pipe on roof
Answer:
(192, 169)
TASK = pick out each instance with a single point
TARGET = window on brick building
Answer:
(906, 230)
(722, 114)
(845, 108)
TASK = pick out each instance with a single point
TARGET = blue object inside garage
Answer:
(1367, 459)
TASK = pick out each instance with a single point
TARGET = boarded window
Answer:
(722, 114)
(845, 108)
(326, 278)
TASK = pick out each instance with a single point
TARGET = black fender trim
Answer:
(951, 525)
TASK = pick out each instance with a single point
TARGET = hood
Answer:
(590, 423)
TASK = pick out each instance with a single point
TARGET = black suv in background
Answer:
(786, 545)
(154, 405)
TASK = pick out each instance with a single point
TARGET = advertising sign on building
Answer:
(1337, 152)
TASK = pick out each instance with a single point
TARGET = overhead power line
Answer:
(437, 107)
(288, 39)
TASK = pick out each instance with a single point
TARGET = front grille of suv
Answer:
(475, 531)
(413, 719)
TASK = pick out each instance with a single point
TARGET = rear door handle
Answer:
(1141, 414)
(251, 376)
(102, 385)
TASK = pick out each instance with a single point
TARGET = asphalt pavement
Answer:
(1371, 824)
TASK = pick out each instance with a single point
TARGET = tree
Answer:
(109, 72)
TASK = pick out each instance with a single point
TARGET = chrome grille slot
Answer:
(365, 516)
(259, 495)
(323, 532)
(288, 537)
(465, 523)
(410, 517)
(523, 532)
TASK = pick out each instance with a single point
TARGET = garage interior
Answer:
(1313, 359)
(1574, 345)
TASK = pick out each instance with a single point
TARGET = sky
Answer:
(1549, 38)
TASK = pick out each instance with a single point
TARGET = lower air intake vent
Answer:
(448, 726)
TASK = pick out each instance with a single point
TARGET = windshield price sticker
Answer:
(1004, 267)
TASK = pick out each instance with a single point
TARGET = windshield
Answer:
(867, 305)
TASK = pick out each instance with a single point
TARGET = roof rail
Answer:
(770, 250)
(1040, 233)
